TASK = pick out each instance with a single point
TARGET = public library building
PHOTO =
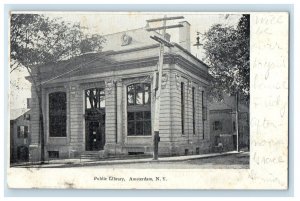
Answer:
(105, 101)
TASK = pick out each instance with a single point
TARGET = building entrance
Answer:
(94, 119)
(95, 135)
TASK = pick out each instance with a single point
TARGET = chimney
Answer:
(184, 36)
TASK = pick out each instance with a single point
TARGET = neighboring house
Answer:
(222, 123)
(19, 135)
(105, 101)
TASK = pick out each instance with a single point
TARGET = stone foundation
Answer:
(164, 149)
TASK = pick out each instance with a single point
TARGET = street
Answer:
(235, 161)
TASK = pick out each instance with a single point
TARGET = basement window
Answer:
(53, 154)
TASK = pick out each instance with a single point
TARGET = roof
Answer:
(229, 102)
(128, 39)
(219, 106)
(16, 113)
(116, 43)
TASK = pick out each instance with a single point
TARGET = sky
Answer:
(108, 23)
(112, 22)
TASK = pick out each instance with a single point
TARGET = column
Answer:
(110, 116)
(34, 147)
(119, 86)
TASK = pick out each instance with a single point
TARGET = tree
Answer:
(227, 51)
(37, 40)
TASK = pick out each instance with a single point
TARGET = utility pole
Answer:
(237, 121)
(162, 43)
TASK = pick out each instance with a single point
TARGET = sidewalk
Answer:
(64, 163)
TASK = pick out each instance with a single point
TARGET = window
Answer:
(138, 109)
(182, 107)
(22, 131)
(204, 109)
(139, 123)
(57, 114)
(193, 105)
(95, 98)
(204, 114)
(26, 117)
(53, 154)
(233, 126)
(138, 94)
(28, 103)
(217, 125)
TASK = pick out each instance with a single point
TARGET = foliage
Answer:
(36, 39)
(227, 50)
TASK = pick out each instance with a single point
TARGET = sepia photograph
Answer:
(139, 91)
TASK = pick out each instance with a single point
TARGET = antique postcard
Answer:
(148, 100)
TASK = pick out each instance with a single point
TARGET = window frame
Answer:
(182, 96)
(135, 108)
(204, 113)
(234, 126)
(61, 114)
(135, 121)
(98, 97)
(194, 111)
(218, 127)
(23, 134)
(135, 92)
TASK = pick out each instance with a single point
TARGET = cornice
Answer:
(133, 49)
(96, 67)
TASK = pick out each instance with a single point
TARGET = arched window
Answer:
(57, 114)
(138, 109)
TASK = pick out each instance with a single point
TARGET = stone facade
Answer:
(114, 71)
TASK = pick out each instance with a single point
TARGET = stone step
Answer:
(94, 154)
(89, 155)
(84, 157)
